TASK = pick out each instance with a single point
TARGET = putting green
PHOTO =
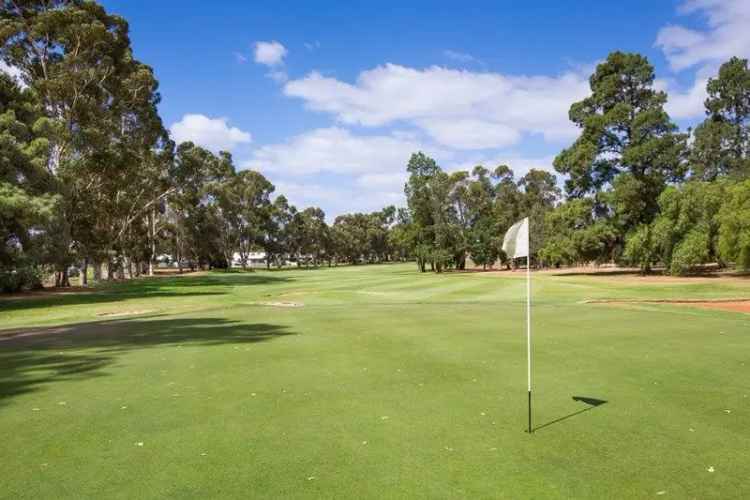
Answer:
(374, 382)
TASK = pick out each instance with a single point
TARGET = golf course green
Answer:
(375, 382)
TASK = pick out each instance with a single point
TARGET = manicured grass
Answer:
(386, 384)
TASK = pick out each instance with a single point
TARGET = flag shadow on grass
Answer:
(590, 402)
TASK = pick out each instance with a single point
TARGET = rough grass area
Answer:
(386, 384)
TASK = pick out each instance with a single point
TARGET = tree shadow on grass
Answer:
(33, 357)
(152, 288)
(590, 402)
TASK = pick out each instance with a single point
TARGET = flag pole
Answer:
(528, 314)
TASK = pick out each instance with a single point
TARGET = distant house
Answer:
(254, 259)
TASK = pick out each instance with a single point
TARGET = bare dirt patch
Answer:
(278, 304)
(741, 307)
(633, 275)
(114, 314)
(735, 305)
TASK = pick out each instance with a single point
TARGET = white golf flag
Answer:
(516, 244)
(516, 241)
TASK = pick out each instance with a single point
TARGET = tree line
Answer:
(637, 191)
(89, 176)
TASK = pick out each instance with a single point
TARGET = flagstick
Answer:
(528, 316)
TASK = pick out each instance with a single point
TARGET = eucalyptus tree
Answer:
(99, 111)
(197, 175)
(314, 234)
(421, 169)
(507, 206)
(402, 236)
(243, 204)
(276, 243)
(539, 196)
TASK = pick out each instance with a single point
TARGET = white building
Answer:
(254, 259)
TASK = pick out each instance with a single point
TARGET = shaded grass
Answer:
(413, 389)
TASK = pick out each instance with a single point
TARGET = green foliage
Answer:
(684, 235)
(734, 231)
(640, 249)
(722, 141)
(88, 174)
(27, 203)
(628, 149)
(572, 235)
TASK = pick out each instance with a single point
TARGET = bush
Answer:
(734, 232)
(22, 278)
(692, 251)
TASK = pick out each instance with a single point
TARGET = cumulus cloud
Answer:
(467, 133)
(684, 103)
(726, 34)
(212, 133)
(340, 199)
(270, 53)
(383, 181)
(457, 108)
(336, 150)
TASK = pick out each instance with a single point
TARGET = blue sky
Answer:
(328, 99)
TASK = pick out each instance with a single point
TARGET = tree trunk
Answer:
(97, 271)
(152, 236)
(85, 272)
(64, 278)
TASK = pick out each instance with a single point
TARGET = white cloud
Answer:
(312, 46)
(278, 76)
(270, 53)
(369, 170)
(727, 34)
(466, 133)
(12, 71)
(683, 104)
(458, 108)
(338, 200)
(461, 57)
(389, 181)
(336, 150)
(212, 133)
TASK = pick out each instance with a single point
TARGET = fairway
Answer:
(381, 383)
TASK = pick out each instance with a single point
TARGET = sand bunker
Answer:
(734, 305)
(278, 304)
